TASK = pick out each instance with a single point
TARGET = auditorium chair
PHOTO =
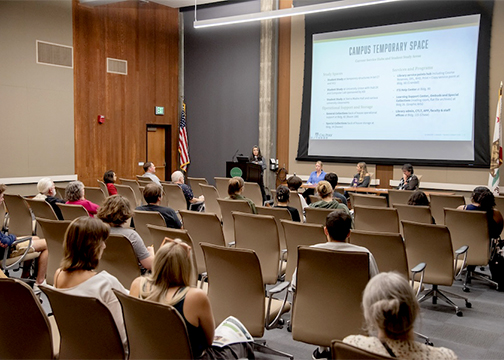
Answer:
(142, 218)
(95, 195)
(227, 207)
(398, 196)
(221, 183)
(317, 215)
(133, 184)
(367, 200)
(211, 194)
(41, 209)
(381, 219)
(440, 201)
(279, 214)
(72, 211)
(416, 213)
(343, 351)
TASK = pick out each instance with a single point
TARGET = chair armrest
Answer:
(21, 258)
(462, 250)
(275, 290)
(20, 240)
(232, 244)
(420, 268)
(283, 255)
(278, 288)
(204, 276)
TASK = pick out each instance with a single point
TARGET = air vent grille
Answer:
(54, 54)
(116, 66)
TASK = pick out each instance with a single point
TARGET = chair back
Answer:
(328, 297)
(432, 245)
(86, 326)
(194, 183)
(341, 350)
(317, 215)
(155, 331)
(221, 183)
(72, 211)
(227, 207)
(278, 214)
(21, 310)
(299, 234)
(143, 178)
(211, 194)
(470, 228)
(132, 183)
(60, 191)
(398, 196)
(273, 196)
(259, 233)
(252, 191)
(54, 232)
(438, 202)
(95, 195)
(143, 183)
(314, 198)
(235, 286)
(379, 219)
(294, 201)
(174, 197)
(416, 213)
(103, 186)
(367, 200)
(119, 259)
(127, 192)
(142, 218)
(159, 233)
(3, 212)
(41, 209)
(20, 219)
(387, 248)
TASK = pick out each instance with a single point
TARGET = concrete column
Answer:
(268, 90)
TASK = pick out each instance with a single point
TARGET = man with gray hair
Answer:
(192, 203)
(47, 192)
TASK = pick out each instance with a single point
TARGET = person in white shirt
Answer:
(150, 170)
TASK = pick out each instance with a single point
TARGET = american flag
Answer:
(183, 146)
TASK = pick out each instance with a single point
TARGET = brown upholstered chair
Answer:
(227, 207)
(86, 326)
(316, 215)
(252, 191)
(432, 245)
(438, 202)
(328, 296)
(20, 218)
(294, 201)
(279, 214)
(421, 214)
(72, 211)
(142, 218)
(381, 219)
(221, 183)
(367, 200)
(399, 196)
(133, 184)
(128, 192)
(211, 194)
(103, 186)
(155, 331)
(54, 231)
(194, 183)
(42, 209)
(95, 195)
(343, 351)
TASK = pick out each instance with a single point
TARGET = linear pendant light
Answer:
(275, 14)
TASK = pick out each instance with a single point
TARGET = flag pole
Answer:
(496, 151)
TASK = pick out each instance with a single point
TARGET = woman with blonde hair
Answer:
(325, 191)
(235, 189)
(362, 178)
(390, 309)
(170, 283)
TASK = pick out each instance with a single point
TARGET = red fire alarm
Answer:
(101, 119)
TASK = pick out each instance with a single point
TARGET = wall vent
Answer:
(116, 66)
(54, 54)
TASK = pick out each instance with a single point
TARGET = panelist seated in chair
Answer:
(38, 245)
(178, 178)
(47, 192)
(409, 181)
(482, 199)
(169, 284)
(390, 309)
(362, 178)
(82, 250)
(153, 194)
(115, 212)
(74, 193)
(235, 189)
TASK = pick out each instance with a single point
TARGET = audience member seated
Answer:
(316, 175)
(150, 170)
(482, 199)
(282, 195)
(390, 309)
(178, 178)
(74, 193)
(169, 284)
(47, 192)
(82, 249)
(362, 178)
(332, 178)
(337, 230)
(235, 189)
(115, 212)
(294, 183)
(153, 194)
(418, 198)
(109, 178)
(38, 245)
(325, 191)
(409, 180)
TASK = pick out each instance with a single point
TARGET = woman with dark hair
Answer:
(257, 158)
(418, 198)
(82, 250)
(170, 284)
(390, 309)
(235, 189)
(282, 195)
(109, 178)
(483, 200)
(409, 181)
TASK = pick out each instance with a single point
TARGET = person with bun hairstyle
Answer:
(325, 191)
(283, 195)
(390, 309)
(483, 200)
(235, 189)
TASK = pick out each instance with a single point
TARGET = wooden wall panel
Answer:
(146, 35)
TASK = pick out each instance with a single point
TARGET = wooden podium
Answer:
(249, 171)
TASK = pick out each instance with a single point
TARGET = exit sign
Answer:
(159, 110)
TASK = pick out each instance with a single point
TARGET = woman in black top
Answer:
(282, 195)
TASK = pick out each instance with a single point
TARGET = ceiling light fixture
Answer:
(275, 14)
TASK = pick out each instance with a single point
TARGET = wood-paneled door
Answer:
(159, 149)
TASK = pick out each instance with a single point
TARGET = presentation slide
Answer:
(403, 91)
